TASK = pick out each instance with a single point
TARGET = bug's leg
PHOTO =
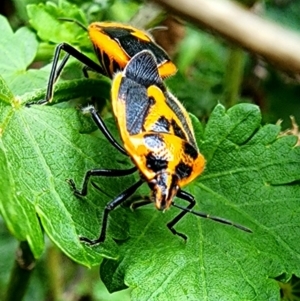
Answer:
(54, 74)
(99, 173)
(102, 127)
(85, 70)
(108, 208)
(57, 69)
(141, 202)
(189, 198)
(214, 218)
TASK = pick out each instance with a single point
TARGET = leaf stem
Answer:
(233, 75)
(54, 273)
(20, 274)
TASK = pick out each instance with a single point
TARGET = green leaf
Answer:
(18, 58)
(252, 178)
(18, 212)
(17, 52)
(6, 30)
(33, 189)
(66, 90)
(44, 18)
(21, 157)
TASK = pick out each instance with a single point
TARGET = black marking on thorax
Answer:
(115, 66)
(183, 170)
(154, 161)
(190, 150)
(133, 45)
(162, 125)
(177, 130)
(172, 103)
(103, 59)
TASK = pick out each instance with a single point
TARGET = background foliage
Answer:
(252, 177)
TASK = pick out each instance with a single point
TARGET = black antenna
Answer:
(214, 218)
(74, 21)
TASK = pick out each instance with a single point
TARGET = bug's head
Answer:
(164, 188)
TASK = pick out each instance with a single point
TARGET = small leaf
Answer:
(6, 30)
(44, 18)
(16, 54)
(16, 59)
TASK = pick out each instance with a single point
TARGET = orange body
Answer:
(155, 128)
(115, 44)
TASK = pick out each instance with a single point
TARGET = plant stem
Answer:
(233, 75)
(20, 274)
(54, 267)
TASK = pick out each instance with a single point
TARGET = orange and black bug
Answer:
(114, 45)
(158, 136)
